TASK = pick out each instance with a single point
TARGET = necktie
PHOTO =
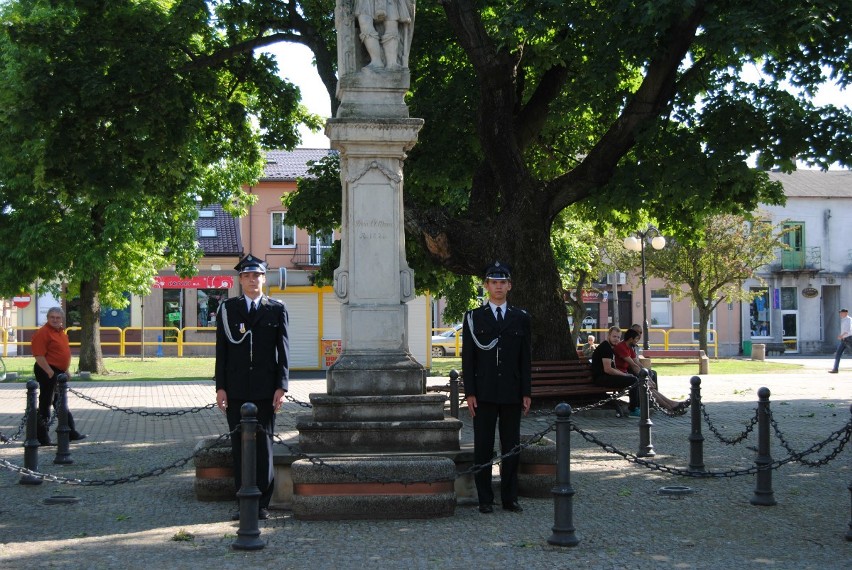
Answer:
(252, 310)
(499, 314)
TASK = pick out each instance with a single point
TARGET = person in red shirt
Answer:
(53, 357)
(627, 361)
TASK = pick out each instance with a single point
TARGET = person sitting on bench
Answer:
(626, 361)
(604, 372)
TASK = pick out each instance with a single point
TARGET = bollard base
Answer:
(29, 480)
(248, 541)
(763, 499)
(563, 537)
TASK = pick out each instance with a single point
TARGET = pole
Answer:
(454, 393)
(763, 493)
(696, 439)
(31, 444)
(563, 492)
(63, 432)
(248, 535)
(646, 448)
(645, 343)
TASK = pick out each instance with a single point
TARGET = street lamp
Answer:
(636, 242)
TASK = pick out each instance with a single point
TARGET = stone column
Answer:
(374, 282)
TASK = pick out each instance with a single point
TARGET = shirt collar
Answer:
(256, 301)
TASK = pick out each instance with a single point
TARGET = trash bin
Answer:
(746, 348)
(758, 352)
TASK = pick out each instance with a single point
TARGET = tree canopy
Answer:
(117, 119)
(627, 109)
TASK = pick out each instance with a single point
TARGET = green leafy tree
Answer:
(116, 118)
(629, 110)
(710, 268)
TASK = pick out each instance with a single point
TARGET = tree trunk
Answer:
(703, 320)
(91, 356)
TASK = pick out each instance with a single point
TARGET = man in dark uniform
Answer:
(252, 356)
(496, 367)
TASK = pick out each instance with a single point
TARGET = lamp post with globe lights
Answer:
(636, 242)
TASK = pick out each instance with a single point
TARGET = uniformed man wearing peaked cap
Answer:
(252, 365)
(496, 367)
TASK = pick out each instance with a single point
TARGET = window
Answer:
(758, 311)
(661, 308)
(207, 232)
(206, 214)
(208, 304)
(789, 298)
(793, 256)
(319, 244)
(172, 313)
(283, 234)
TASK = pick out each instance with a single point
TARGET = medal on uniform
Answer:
(242, 328)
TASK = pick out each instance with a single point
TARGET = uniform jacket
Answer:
(497, 376)
(259, 365)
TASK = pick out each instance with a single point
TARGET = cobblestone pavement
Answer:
(621, 519)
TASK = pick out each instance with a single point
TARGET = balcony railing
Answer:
(310, 255)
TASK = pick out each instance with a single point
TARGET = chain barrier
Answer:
(599, 404)
(143, 413)
(843, 435)
(111, 482)
(729, 441)
(680, 410)
(290, 398)
(15, 436)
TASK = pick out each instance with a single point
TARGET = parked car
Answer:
(445, 343)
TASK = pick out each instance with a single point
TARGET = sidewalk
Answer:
(620, 518)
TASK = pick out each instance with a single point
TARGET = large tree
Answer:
(116, 118)
(628, 109)
(710, 268)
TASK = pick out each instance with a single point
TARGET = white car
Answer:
(445, 343)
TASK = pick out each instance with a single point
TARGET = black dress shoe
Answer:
(262, 514)
(76, 436)
(513, 507)
(485, 509)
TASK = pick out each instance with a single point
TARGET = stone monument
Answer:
(376, 405)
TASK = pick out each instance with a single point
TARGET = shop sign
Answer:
(197, 282)
(810, 293)
(592, 296)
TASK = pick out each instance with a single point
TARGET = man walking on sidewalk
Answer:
(844, 338)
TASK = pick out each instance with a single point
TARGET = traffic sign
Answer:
(21, 301)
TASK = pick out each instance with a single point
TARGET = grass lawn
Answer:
(442, 367)
(201, 368)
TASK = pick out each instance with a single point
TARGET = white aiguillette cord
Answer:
(248, 333)
(488, 346)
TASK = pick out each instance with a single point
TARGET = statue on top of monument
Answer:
(385, 30)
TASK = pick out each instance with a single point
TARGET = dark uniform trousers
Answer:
(506, 418)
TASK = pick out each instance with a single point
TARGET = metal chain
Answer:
(681, 409)
(290, 398)
(723, 439)
(143, 413)
(110, 482)
(842, 434)
(598, 404)
(14, 437)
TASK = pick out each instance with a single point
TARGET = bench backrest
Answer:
(561, 372)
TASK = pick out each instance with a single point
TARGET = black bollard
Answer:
(31, 444)
(646, 448)
(763, 493)
(454, 393)
(248, 535)
(696, 439)
(563, 492)
(63, 432)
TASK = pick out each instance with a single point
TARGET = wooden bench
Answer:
(648, 356)
(774, 347)
(555, 379)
